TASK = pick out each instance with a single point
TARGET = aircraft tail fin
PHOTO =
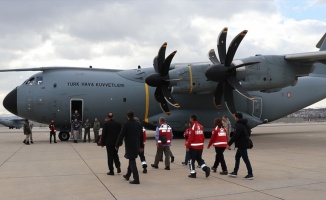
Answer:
(322, 43)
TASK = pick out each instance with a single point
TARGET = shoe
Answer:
(118, 170)
(167, 168)
(184, 163)
(172, 159)
(24, 141)
(248, 177)
(214, 169)
(207, 171)
(55, 142)
(75, 141)
(154, 166)
(84, 141)
(32, 142)
(233, 174)
(224, 172)
(192, 176)
(134, 182)
(126, 177)
(110, 173)
(89, 141)
(145, 170)
(27, 143)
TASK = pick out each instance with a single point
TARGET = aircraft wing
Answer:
(56, 68)
(309, 57)
(17, 120)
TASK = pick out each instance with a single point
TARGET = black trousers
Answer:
(132, 168)
(219, 158)
(52, 133)
(112, 157)
(196, 155)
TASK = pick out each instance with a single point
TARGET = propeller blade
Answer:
(162, 102)
(155, 64)
(161, 57)
(236, 85)
(218, 95)
(168, 97)
(233, 47)
(228, 98)
(166, 64)
(212, 57)
(221, 45)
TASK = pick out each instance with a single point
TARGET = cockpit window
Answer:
(30, 81)
(39, 80)
(34, 81)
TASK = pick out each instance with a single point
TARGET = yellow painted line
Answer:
(190, 78)
(146, 103)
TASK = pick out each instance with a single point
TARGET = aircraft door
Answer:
(76, 104)
(255, 108)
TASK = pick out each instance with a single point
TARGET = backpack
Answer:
(163, 139)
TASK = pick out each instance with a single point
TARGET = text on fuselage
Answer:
(91, 84)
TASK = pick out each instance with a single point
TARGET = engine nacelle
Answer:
(271, 74)
(190, 79)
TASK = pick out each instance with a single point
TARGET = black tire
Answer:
(64, 136)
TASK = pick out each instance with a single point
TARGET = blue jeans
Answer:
(244, 154)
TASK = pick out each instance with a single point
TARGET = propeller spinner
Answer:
(160, 79)
(223, 71)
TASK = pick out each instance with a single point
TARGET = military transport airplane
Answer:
(12, 121)
(263, 87)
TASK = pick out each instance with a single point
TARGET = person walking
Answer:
(87, 126)
(31, 125)
(185, 135)
(110, 132)
(52, 132)
(195, 146)
(132, 134)
(227, 125)
(241, 139)
(142, 153)
(27, 131)
(79, 118)
(75, 129)
(163, 137)
(96, 129)
(219, 141)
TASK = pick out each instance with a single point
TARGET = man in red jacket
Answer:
(195, 146)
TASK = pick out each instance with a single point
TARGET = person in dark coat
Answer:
(240, 137)
(132, 133)
(110, 132)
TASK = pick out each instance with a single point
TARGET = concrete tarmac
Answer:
(288, 161)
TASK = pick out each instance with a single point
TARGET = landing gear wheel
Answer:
(64, 136)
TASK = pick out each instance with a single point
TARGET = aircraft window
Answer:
(39, 80)
(30, 81)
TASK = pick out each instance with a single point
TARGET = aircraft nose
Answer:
(10, 102)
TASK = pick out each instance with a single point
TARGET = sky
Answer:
(119, 34)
